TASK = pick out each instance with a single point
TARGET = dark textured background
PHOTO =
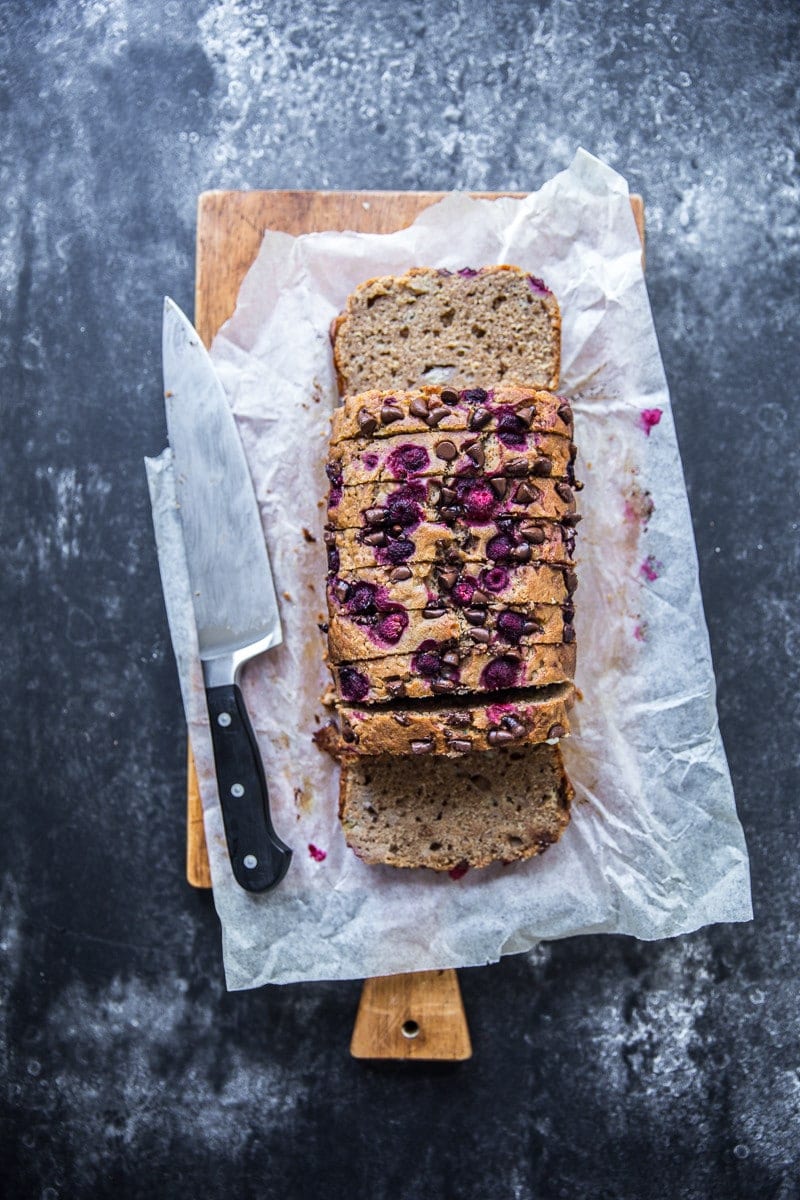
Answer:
(602, 1067)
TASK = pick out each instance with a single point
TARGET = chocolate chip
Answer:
(531, 627)
(521, 553)
(526, 494)
(395, 687)
(451, 658)
(565, 412)
(448, 495)
(514, 726)
(329, 537)
(542, 465)
(479, 418)
(449, 578)
(422, 746)
(477, 454)
(433, 611)
(483, 636)
(401, 718)
(500, 737)
(341, 591)
(378, 538)
(450, 514)
(569, 612)
(367, 423)
(571, 519)
(434, 492)
(570, 581)
(435, 416)
(348, 736)
(447, 396)
(476, 616)
(526, 414)
(499, 486)
(568, 635)
(399, 574)
(556, 731)
(460, 745)
(565, 492)
(517, 467)
(419, 408)
(458, 719)
(374, 516)
(446, 450)
(389, 414)
(440, 686)
(533, 534)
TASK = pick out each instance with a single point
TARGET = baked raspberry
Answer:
(407, 459)
(463, 592)
(427, 659)
(361, 601)
(511, 429)
(334, 472)
(392, 627)
(493, 579)
(510, 626)
(499, 548)
(396, 552)
(354, 685)
(500, 673)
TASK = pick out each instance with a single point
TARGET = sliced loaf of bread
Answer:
(458, 812)
(457, 328)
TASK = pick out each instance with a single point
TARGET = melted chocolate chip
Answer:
(378, 538)
(459, 720)
(374, 516)
(527, 414)
(459, 745)
(419, 408)
(542, 465)
(476, 615)
(451, 658)
(500, 737)
(448, 579)
(499, 486)
(568, 635)
(521, 553)
(390, 414)
(477, 455)
(422, 746)
(399, 574)
(479, 418)
(341, 591)
(395, 687)
(570, 581)
(448, 396)
(565, 492)
(401, 718)
(533, 534)
(367, 423)
(439, 686)
(446, 450)
(514, 726)
(516, 467)
(433, 611)
(556, 731)
(526, 494)
(571, 519)
(565, 412)
(482, 636)
(435, 415)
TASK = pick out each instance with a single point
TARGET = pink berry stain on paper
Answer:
(651, 568)
(458, 872)
(649, 418)
(317, 854)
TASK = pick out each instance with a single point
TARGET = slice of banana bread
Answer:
(447, 726)
(511, 412)
(419, 585)
(458, 812)
(377, 629)
(415, 455)
(452, 668)
(507, 544)
(465, 327)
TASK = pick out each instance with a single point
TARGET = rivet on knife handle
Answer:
(258, 857)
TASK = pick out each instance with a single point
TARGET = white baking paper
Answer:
(654, 848)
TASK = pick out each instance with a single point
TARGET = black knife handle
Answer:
(258, 856)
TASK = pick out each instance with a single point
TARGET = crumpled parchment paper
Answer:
(654, 848)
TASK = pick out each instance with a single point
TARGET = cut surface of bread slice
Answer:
(510, 412)
(447, 813)
(452, 668)
(446, 726)
(471, 326)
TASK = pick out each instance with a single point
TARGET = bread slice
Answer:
(420, 585)
(453, 727)
(391, 629)
(511, 412)
(515, 543)
(457, 812)
(458, 454)
(452, 668)
(459, 328)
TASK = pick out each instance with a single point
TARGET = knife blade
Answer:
(235, 607)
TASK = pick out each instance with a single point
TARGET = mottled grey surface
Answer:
(603, 1067)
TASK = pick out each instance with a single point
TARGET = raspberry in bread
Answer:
(471, 501)
(451, 668)
(513, 413)
(461, 328)
(418, 585)
(441, 454)
(444, 726)
(456, 812)
(508, 543)
(376, 627)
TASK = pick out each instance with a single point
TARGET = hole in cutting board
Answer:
(409, 1029)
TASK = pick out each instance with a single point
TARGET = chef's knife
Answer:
(232, 591)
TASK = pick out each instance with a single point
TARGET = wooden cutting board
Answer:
(410, 1016)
